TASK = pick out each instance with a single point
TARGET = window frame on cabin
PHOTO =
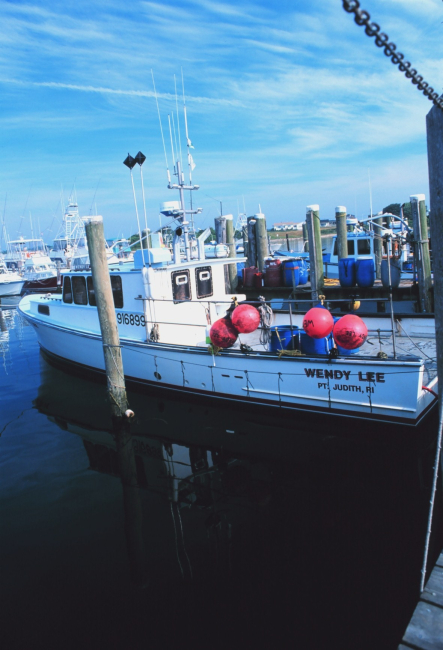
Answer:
(117, 291)
(360, 242)
(91, 291)
(66, 280)
(176, 293)
(199, 281)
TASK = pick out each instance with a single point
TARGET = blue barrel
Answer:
(365, 273)
(291, 273)
(281, 337)
(346, 353)
(308, 345)
(346, 272)
(240, 267)
(303, 272)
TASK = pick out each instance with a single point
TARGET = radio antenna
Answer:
(172, 143)
(178, 122)
(191, 164)
(161, 128)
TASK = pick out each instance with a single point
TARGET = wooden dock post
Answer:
(244, 231)
(252, 248)
(261, 237)
(220, 230)
(315, 251)
(120, 413)
(434, 127)
(305, 238)
(423, 260)
(106, 314)
(342, 232)
(233, 277)
(146, 239)
(378, 245)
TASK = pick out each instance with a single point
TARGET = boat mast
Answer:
(181, 187)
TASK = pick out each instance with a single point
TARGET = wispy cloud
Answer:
(285, 102)
(116, 91)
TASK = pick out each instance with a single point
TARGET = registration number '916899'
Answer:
(130, 319)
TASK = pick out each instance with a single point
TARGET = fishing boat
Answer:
(71, 238)
(167, 308)
(11, 283)
(361, 245)
(39, 273)
(21, 249)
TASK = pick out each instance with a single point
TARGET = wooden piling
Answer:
(220, 230)
(434, 128)
(146, 239)
(106, 315)
(342, 232)
(120, 412)
(378, 245)
(261, 237)
(305, 238)
(232, 268)
(252, 243)
(245, 240)
(315, 251)
(423, 260)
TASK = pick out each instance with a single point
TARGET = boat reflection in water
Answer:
(237, 537)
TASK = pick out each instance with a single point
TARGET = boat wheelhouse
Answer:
(71, 238)
(19, 250)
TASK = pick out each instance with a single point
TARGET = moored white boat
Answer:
(165, 305)
(11, 283)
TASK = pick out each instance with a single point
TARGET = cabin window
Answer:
(350, 247)
(117, 291)
(79, 290)
(363, 247)
(91, 292)
(67, 289)
(203, 281)
(43, 309)
(181, 287)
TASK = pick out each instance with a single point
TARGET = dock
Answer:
(425, 629)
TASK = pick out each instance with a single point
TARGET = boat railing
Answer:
(292, 301)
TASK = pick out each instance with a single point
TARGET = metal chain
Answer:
(362, 18)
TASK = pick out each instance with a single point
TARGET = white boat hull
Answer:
(346, 387)
(11, 288)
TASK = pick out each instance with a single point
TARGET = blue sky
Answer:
(287, 106)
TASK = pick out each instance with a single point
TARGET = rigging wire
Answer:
(161, 127)
(178, 122)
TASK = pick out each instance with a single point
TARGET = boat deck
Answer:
(415, 346)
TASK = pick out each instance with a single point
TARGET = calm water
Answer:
(237, 535)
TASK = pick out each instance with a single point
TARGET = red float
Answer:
(245, 319)
(318, 323)
(223, 333)
(350, 332)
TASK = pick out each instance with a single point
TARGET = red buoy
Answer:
(318, 323)
(223, 333)
(245, 318)
(350, 332)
